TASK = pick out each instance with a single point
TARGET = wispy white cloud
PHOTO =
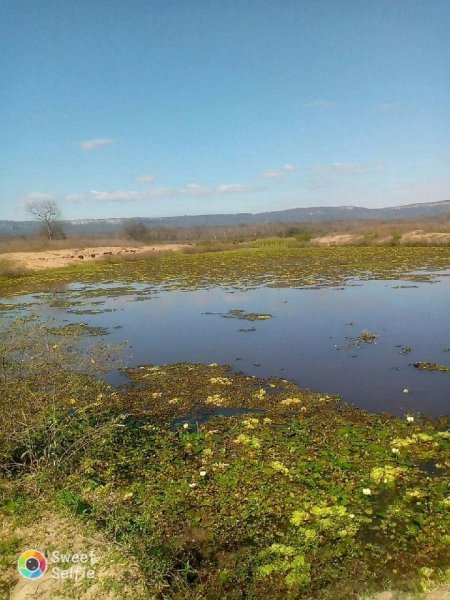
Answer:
(146, 178)
(341, 168)
(279, 173)
(235, 188)
(194, 190)
(319, 104)
(272, 173)
(88, 145)
(123, 195)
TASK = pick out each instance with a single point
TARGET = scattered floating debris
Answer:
(404, 349)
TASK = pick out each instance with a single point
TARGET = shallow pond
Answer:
(311, 338)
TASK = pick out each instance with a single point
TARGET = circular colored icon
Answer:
(32, 564)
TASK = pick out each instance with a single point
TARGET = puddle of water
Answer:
(429, 467)
(308, 340)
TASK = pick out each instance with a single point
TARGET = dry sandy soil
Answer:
(114, 575)
(63, 258)
(417, 236)
(422, 236)
(336, 240)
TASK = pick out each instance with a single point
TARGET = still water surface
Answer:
(309, 340)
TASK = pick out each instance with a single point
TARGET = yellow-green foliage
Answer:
(268, 504)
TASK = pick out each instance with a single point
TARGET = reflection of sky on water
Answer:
(306, 341)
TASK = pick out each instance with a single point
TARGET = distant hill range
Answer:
(291, 215)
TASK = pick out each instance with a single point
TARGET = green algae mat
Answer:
(279, 267)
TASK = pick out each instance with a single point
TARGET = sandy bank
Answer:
(63, 258)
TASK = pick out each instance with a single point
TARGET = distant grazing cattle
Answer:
(93, 255)
(80, 256)
(107, 252)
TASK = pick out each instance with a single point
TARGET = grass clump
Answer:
(10, 270)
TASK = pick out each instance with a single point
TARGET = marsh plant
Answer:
(46, 380)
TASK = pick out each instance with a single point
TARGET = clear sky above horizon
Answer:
(150, 108)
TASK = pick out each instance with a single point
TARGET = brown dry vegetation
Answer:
(369, 231)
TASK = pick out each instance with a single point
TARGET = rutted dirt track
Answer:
(63, 258)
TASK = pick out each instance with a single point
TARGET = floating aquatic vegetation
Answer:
(251, 316)
(77, 329)
(404, 349)
(237, 313)
(365, 337)
(90, 311)
(276, 267)
(431, 366)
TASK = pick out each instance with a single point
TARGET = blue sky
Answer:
(150, 108)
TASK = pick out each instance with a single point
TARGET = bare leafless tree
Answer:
(47, 212)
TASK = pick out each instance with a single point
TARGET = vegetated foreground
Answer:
(280, 493)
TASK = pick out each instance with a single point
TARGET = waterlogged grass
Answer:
(295, 496)
(76, 329)
(274, 266)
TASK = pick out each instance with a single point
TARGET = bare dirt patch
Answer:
(64, 258)
(336, 240)
(113, 573)
(420, 236)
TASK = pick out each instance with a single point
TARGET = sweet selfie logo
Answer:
(32, 564)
